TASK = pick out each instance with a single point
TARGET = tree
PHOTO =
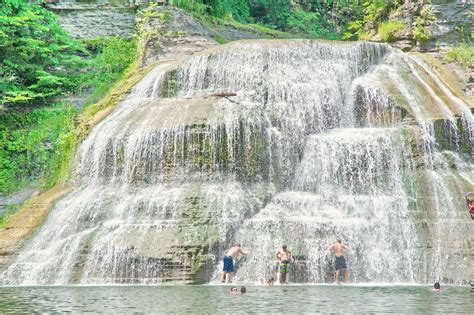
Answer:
(37, 55)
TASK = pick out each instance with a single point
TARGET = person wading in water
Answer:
(340, 262)
(284, 257)
(228, 272)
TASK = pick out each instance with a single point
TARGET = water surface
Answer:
(213, 299)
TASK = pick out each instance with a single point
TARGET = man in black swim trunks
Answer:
(340, 262)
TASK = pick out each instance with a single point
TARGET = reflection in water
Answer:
(209, 299)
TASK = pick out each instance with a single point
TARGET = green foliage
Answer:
(463, 55)
(230, 9)
(377, 10)
(195, 6)
(375, 13)
(387, 30)
(5, 215)
(312, 23)
(114, 55)
(40, 143)
(316, 19)
(274, 14)
(465, 32)
(356, 30)
(41, 63)
(38, 57)
(31, 143)
(426, 17)
(421, 34)
(218, 38)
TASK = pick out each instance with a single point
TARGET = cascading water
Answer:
(266, 142)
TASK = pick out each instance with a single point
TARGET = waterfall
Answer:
(267, 142)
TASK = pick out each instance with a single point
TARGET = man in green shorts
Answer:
(284, 258)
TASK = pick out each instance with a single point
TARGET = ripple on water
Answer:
(209, 299)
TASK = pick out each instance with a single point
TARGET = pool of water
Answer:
(212, 299)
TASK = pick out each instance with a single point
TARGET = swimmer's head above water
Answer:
(236, 290)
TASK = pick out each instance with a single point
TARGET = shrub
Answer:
(463, 55)
(114, 55)
(40, 63)
(387, 30)
(37, 56)
(421, 34)
(312, 23)
(30, 143)
(426, 17)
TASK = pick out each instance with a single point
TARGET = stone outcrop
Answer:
(99, 18)
(168, 35)
(96, 18)
(171, 34)
(453, 24)
(23, 223)
(184, 243)
(449, 22)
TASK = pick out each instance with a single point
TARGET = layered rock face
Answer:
(266, 142)
(307, 142)
(453, 23)
(96, 18)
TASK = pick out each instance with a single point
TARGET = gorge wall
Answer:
(96, 18)
(265, 142)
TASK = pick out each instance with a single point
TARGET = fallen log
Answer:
(223, 94)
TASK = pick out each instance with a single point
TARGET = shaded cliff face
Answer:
(96, 18)
(89, 19)
(265, 142)
(445, 23)
(453, 24)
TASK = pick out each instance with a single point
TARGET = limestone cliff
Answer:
(264, 142)
(444, 23)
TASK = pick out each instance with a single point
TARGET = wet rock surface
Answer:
(453, 24)
(262, 142)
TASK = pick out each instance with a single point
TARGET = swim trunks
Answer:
(340, 263)
(228, 264)
(284, 266)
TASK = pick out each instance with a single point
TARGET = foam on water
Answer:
(311, 141)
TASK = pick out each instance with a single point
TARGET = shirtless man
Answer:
(340, 262)
(284, 257)
(470, 204)
(228, 272)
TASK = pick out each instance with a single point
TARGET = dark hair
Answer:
(271, 279)
(243, 289)
(284, 246)
(437, 285)
(339, 241)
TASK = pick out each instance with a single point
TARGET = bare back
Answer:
(234, 251)
(338, 249)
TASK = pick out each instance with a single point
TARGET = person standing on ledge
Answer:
(340, 262)
(284, 257)
(228, 271)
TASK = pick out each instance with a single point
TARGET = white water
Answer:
(322, 141)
